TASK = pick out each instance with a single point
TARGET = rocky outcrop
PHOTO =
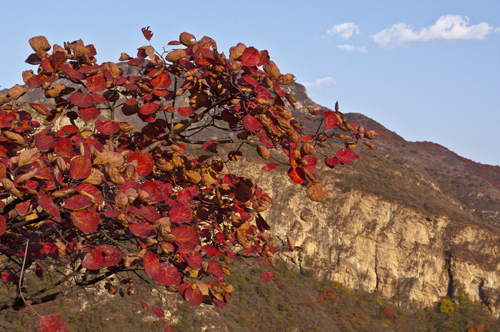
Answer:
(367, 243)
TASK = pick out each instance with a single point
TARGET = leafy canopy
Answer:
(101, 197)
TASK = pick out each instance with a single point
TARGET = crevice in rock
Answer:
(483, 296)
(450, 275)
(376, 265)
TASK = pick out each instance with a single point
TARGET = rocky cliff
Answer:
(368, 243)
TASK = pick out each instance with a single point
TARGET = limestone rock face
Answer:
(367, 243)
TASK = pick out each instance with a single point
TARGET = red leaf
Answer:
(39, 272)
(250, 57)
(145, 163)
(168, 329)
(168, 275)
(158, 312)
(215, 269)
(311, 162)
(81, 99)
(332, 162)
(186, 111)
(149, 108)
(147, 33)
(67, 130)
(345, 155)
(44, 142)
(210, 146)
(145, 306)
(47, 65)
(68, 70)
(77, 202)
(112, 255)
(262, 225)
(89, 114)
(269, 167)
(22, 127)
(52, 323)
(91, 190)
(143, 229)
(192, 296)
(35, 80)
(58, 58)
(330, 120)
(3, 225)
(163, 93)
(80, 168)
(195, 260)
(86, 221)
(130, 107)
(107, 127)
(186, 238)
(297, 175)
(63, 147)
(264, 57)
(180, 213)
(99, 99)
(9, 276)
(167, 246)
(250, 80)
(219, 304)
(153, 190)
(94, 260)
(230, 254)
(185, 196)
(251, 124)
(96, 83)
(307, 138)
(151, 264)
(265, 276)
(265, 139)
(161, 82)
(46, 202)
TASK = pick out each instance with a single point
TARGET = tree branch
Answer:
(186, 125)
(30, 300)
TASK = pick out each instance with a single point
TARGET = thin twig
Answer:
(22, 272)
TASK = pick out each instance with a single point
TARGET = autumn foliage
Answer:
(113, 198)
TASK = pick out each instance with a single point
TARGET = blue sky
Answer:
(428, 70)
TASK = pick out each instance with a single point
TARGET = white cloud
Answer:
(347, 47)
(344, 30)
(447, 27)
(318, 84)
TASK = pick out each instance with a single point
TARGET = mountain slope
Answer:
(404, 222)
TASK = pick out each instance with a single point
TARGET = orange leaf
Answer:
(28, 157)
(272, 70)
(317, 192)
(40, 109)
(40, 45)
(297, 175)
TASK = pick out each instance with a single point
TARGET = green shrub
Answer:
(446, 306)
